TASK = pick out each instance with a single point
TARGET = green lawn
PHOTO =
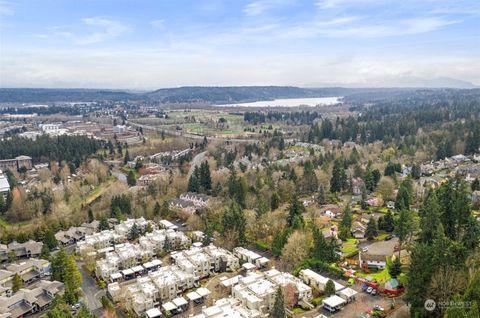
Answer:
(380, 276)
(349, 246)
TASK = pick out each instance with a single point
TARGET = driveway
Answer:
(93, 293)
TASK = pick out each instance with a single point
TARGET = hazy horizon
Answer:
(147, 45)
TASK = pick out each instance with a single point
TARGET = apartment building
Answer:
(317, 281)
(228, 307)
(29, 301)
(160, 286)
(257, 290)
(251, 257)
(22, 250)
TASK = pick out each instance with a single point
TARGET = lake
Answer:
(290, 102)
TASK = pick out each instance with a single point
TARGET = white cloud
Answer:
(155, 68)
(261, 6)
(106, 29)
(6, 8)
(330, 4)
(159, 24)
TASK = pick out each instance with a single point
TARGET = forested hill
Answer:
(45, 95)
(234, 94)
(188, 94)
(220, 94)
(45, 148)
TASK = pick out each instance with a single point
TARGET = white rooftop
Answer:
(180, 301)
(153, 313)
(193, 296)
(169, 306)
(202, 291)
(334, 301)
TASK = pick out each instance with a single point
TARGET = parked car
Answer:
(365, 249)
(378, 308)
(374, 292)
(369, 290)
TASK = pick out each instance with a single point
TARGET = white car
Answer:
(365, 249)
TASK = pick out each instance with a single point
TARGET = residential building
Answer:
(228, 307)
(317, 281)
(22, 250)
(16, 163)
(29, 301)
(199, 200)
(251, 257)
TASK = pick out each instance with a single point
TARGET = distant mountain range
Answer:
(182, 95)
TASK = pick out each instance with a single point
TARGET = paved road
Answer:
(93, 293)
(196, 161)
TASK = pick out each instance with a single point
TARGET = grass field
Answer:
(350, 246)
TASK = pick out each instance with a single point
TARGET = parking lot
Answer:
(363, 303)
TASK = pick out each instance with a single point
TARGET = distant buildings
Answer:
(16, 163)
(4, 185)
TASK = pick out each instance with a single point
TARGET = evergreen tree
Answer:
(471, 234)
(279, 240)
(17, 283)
(430, 218)
(329, 288)
(338, 182)
(309, 178)
(205, 179)
(234, 220)
(45, 252)
(416, 171)
(237, 188)
(103, 224)
(134, 232)
(322, 249)
(419, 275)
(371, 232)
(156, 209)
(404, 225)
(475, 186)
(402, 201)
(262, 208)
(274, 201)
(126, 159)
(472, 292)
(322, 197)
(165, 210)
(278, 310)
(84, 313)
(346, 223)
(131, 179)
(72, 281)
(386, 222)
(59, 309)
(395, 268)
(193, 181)
(49, 239)
(91, 218)
(295, 212)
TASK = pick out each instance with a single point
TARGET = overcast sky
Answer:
(146, 44)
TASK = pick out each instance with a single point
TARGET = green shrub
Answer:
(262, 245)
